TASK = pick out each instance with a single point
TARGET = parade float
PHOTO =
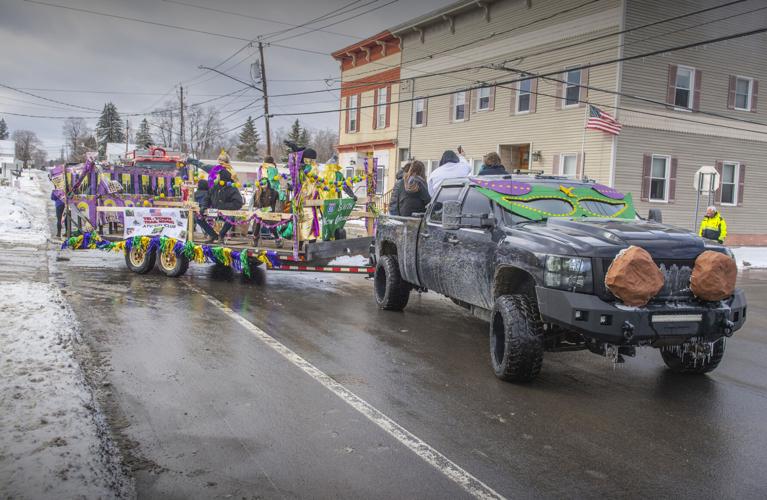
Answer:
(152, 214)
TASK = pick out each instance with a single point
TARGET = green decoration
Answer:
(334, 215)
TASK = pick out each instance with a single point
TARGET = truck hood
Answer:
(597, 237)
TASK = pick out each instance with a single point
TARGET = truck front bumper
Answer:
(656, 324)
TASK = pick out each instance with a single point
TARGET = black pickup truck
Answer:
(529, 254)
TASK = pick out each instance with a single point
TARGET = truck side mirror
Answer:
(451, 214)
(655, 215)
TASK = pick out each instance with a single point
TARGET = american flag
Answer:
(599, 120)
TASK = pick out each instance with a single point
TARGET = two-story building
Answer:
(370, 76)
(518, 77)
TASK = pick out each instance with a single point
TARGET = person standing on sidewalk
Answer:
(56, 197)
(713, 226)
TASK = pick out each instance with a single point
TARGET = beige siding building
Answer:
(680, 109)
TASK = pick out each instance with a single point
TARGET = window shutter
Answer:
(672, 181)
(469, 102)
(346, 127)
(388, 105)
(375, 108)
(583, 92)
(452, 107)
(719, 167)
(425, 110)
(696, 93)
(476, 101)
(514, 99)
(533, 94)
(646, 163)
(359, 112)
(555, 165)
(560, 92)
(731, 94)
(579, 162)
(754, 94)
(492, 99)
(741, 183)
(671, 90)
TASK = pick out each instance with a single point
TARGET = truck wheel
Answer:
(172, 265)
(140, 261)
(685, 363)
(516, 338)
(391, 291)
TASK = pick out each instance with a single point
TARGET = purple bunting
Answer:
(608, 191)
(503, 186)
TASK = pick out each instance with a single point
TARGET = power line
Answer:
(47, 98)
(336, 11)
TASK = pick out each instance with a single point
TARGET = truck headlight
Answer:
(569, 273)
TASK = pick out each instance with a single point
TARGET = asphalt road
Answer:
(203, 407)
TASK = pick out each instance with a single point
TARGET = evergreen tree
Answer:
(247, 149)
(109, 128)
(3, 130)
(295, 133)
(304, 138)
(143, 135)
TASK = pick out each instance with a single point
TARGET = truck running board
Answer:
(326, 269)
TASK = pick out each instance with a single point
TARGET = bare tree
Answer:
(27, 145)
(324, 141)
(204, 131)
(165, 124)
(76, 132)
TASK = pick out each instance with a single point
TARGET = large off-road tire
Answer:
(140, 261)
(686, 363)
(516, 338)
(391, 291)
(172, 265)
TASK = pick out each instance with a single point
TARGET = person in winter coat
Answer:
(713, 225)
(56, 197)
(201, 198)
(266, 198)
(415, 193)
(224, 196)
(396, 191)
(451, 166)
(492, 165)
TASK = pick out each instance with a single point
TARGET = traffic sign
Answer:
(706, 180)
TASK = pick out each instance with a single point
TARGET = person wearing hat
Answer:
(224, 196)
(201, 198)
(713, 225)
(308, 219)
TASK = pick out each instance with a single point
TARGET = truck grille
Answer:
(676, 277)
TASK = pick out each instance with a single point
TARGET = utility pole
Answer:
(266, 100)
(181, 119)
(127, 134)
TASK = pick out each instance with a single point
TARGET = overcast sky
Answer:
(138, 65)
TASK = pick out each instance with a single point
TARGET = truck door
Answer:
(432, 242)
(471, 250)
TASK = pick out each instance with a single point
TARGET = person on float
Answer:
(308, 229)
(332, 178)
(265, 199)
(415, 193)
(451, 166)
(201, 198)
(492, 165)
(713, 226)
(396, 191)
(224, 196)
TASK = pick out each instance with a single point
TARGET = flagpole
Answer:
(583, 142)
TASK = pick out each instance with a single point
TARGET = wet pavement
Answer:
(203, 408)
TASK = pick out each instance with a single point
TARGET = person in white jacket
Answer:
(451, 166)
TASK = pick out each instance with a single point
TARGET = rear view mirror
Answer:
(655, 215)
(451, 214)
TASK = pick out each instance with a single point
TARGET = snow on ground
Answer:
(51, 437)
(23, 211)
(750, 257)
(349, 260)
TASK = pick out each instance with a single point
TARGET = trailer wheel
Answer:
(681, 362)
(140, 261)
(391, 291)
(516, 338)
(172, 265)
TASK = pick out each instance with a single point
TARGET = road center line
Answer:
(448, 468)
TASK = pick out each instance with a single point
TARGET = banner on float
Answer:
(171, 222)
(334, 215)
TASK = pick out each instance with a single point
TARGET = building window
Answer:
(381, 108)
(683, 87)
(569, 165)
(729, 183)
(352, 111)
(523, 96)
(419, 113)
(743, 91)
(659, 177)
(380, 179)
(572, 87)
(459, 107)
(483, 98)
(476, 166)
(350, 171)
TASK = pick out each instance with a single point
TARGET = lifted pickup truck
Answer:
(529, 254)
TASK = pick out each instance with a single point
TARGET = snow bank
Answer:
(23, 218)
(750, 257)
(349, 260)
(52, 440)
